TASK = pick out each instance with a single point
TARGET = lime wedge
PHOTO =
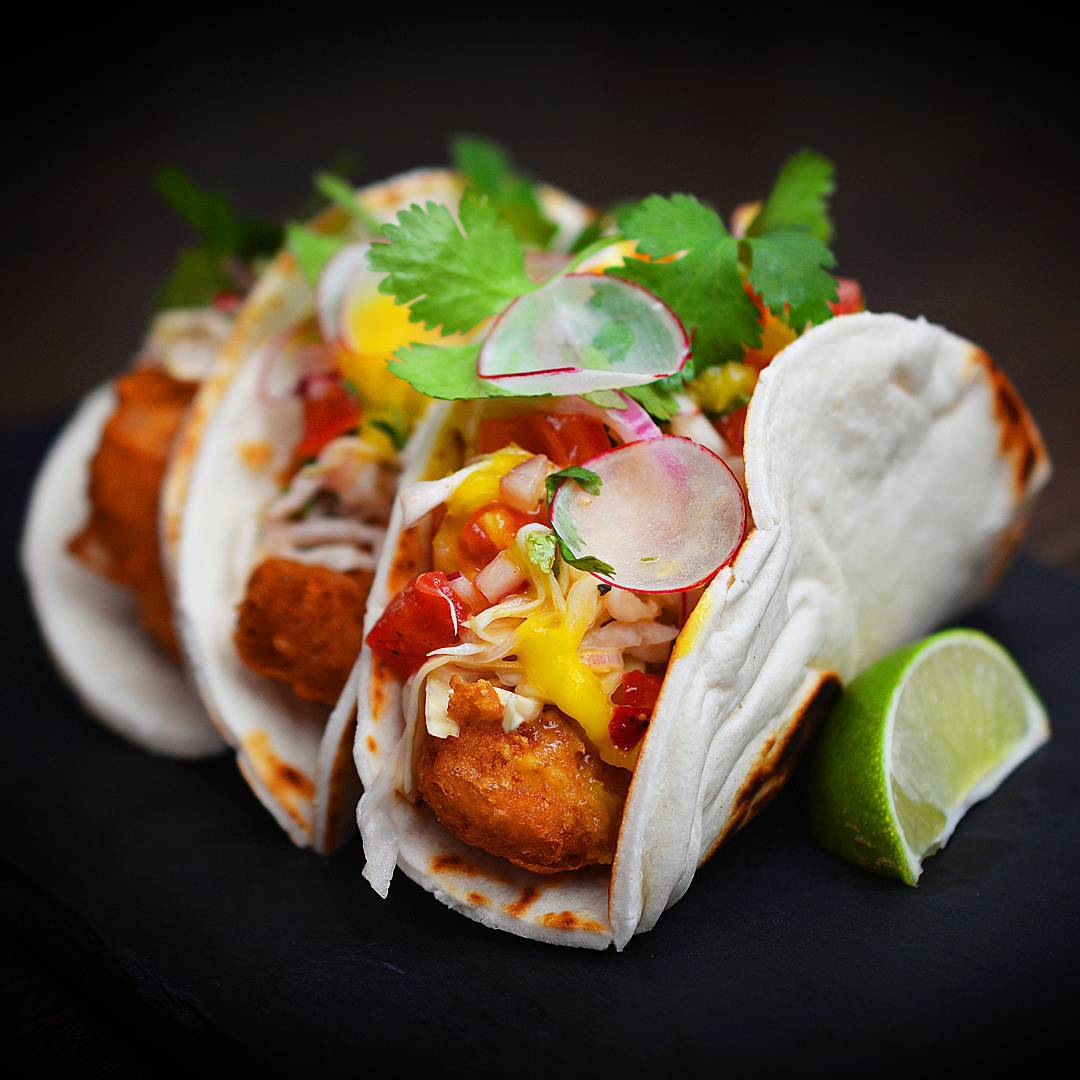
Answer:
(914, 741)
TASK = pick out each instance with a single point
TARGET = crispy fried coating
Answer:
(473, 702)
(121, 540)
(303, 624)
(539, 796)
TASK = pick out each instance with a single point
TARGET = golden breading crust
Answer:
(121, 539)
(538, 796)
(303, 624)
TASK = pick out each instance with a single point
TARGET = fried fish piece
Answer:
(303, 624)
(121, 541)
(538, 796)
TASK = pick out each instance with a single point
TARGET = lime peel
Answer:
(917, 739)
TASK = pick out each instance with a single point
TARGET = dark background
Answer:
(954, 143)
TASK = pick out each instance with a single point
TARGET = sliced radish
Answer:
(540, 265)
(669, 515)
(582, 333)
(342, 275)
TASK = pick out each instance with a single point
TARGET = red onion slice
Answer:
(581, 333)
(287, 360)
(669, 515)
(499, 578)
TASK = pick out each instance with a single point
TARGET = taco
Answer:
(97, 544)
(601, 630)
(299, 440)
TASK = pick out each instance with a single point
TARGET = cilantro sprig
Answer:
(313, 249)
(487, 168)
(584, 478)
(219, 263)
(451, 276)
(699, 269)
(546, 550)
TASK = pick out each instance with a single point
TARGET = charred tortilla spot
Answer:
(778, 758)
(1019, 439)
(372, 745)
(479, 899)
(379, 675)
(529, 895)
(567, 920)
(287, 784)
(255, 454)
(453, 864)
(342, 775)
(406, 562)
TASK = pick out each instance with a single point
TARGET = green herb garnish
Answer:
(488, 170)
(229, 242)
(589, 563)
(397, 433)
(585, 478)
(444, 371)
(312, 250)
(338, 190)
(784, 257)
(451, 276)
(542, 549)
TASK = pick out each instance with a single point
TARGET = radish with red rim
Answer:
(669, 515)
(581, 333)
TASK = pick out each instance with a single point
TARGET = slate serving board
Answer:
(169, 882)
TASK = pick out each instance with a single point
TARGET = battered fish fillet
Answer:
(303, 624)
(539, 796)
(121, 539)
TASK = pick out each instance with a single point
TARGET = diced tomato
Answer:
(492, 529)
(426, 615)
(634, 701)
(638, 688)
(851, 298)
(567, 439)
(329, 412)
(732, 426)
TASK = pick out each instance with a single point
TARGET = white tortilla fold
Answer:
(91, 625)
(890, 470)
(295, 757)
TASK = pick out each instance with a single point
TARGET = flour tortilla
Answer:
(296, 759)
(91, 625)
(890, 471)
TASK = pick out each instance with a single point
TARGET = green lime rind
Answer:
(853, 809)
(851, 813)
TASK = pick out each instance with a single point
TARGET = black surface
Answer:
(168, 884)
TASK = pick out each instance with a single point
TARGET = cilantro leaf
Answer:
(312, 250)
(703, 285)
(656, 399)
(487, 169)
(589, 563)
(338, 190)
(799, 198)
(214, 219)
(789, 269)
(451, 277)
(397, 433)
(197, 277)
(443, 371)
(586, 478)
(599, 227)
